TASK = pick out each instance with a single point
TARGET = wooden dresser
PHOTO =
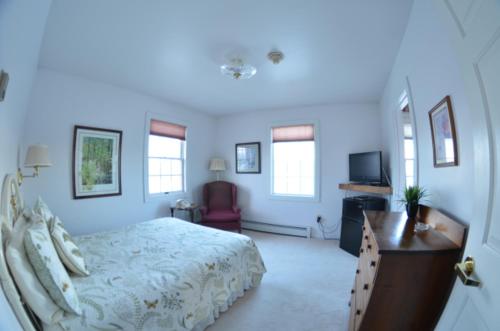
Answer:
(404, 278)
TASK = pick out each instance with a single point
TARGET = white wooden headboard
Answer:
(11, 206)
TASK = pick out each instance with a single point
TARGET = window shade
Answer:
(166, 129)
(293, 133)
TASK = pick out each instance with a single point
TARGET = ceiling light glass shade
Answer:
(238, 70)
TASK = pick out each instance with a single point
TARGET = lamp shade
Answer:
(37, 156)
(217, 165)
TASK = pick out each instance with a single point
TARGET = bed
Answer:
(163, 274)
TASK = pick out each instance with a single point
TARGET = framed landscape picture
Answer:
(248, 158)
(444, 140)
(96, 162)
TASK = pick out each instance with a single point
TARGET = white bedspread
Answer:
(164, 274)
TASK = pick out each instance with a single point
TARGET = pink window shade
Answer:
(166, 129)
(293, 133)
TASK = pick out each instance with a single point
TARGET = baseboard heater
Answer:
(298, 231)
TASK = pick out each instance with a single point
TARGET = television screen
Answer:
(365, 167)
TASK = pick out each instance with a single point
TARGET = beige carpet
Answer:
(306, 288)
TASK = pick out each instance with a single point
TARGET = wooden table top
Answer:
(395, 234)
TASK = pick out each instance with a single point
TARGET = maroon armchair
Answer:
(219, 208)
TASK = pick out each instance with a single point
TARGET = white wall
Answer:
(59, 102)
(343, 129)
(427, 59)
(21, 28)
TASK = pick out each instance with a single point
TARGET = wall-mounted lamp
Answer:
(217, 165)
(4, 80)
(37, 157)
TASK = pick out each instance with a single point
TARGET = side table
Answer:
(189, 209)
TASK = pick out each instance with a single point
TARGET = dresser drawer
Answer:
(360, 306)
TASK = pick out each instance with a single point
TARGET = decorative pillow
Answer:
(66, 248)
(42, 209)
(32, 291)
(49, 269)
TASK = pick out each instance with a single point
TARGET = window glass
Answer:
(165, 164)
(408, 142)
(294, 168)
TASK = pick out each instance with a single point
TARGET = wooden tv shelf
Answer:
(366, 188)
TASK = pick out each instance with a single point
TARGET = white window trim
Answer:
(407, 91)
(317, 163)
(171, 195)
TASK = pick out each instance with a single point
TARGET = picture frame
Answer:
(96, 162)
(444, 140)
(247, 157)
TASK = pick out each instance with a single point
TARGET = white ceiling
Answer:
(336, 51)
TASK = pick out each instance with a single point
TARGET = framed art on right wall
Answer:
(444, 139)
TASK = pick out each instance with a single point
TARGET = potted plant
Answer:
(411, 199)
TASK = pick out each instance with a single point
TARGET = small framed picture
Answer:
(248, 158)
(96, 162)
(444, 140)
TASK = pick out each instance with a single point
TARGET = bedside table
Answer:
(189, 209)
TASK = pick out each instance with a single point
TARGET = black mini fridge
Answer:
(352, 220)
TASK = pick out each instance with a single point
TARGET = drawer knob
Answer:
(369, 246)
(358, 312)
(352, 291)
(364, 228)
(357, 271)
(366, 237)
(365, 287)
(361, 250)
(373, 263)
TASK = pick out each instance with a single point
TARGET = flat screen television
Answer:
(366, 167)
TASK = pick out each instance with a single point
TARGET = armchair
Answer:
(219, 208)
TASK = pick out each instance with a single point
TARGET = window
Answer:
(294, 161)
(408, 143)
(165, 158)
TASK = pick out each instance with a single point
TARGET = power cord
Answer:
(327, 231)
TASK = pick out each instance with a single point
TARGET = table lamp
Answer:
(217, 165)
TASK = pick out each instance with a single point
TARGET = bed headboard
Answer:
(11, 206)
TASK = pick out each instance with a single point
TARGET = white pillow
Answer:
(68, 251)
(42, 210)
(49, 269)
(32, 291)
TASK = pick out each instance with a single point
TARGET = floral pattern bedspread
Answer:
(164, 274)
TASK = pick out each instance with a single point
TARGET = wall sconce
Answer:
(217, 165)
(37, 157)
(4, 81)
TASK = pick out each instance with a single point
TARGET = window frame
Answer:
(317, 164)
(184, 152)
(406, 94)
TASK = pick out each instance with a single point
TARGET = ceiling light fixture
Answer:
(275, 56)
(238, 70)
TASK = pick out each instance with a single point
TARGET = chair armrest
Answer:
(203, 210)
(236, 210)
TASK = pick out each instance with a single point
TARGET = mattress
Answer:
(164, 274)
